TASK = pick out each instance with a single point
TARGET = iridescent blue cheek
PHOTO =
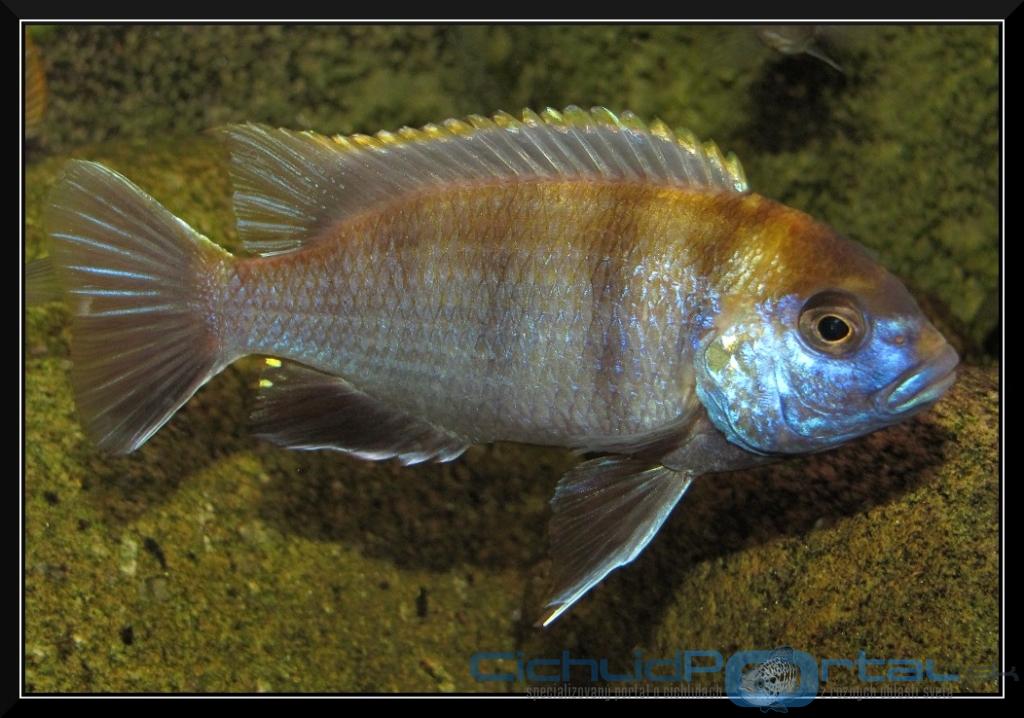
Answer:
(768, 391)
(827, 400)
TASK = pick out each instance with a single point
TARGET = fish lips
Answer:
(921, 385)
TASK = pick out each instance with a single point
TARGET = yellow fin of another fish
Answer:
(289, 185)
(35, 88)
(302, 408)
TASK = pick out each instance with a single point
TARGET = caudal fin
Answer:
(138, 282)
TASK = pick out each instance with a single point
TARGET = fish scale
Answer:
(429, 324)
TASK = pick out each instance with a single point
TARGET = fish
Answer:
(797, 40)
(577, 279)
(769, 684)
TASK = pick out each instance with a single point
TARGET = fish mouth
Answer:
(921, 385)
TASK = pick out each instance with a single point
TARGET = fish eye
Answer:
(832, 328)
(831, 322)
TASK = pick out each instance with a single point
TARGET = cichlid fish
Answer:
(575, 279)
(797, 40)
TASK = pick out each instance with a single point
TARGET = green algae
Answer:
(209, 562)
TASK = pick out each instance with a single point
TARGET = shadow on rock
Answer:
(791, 104)
(210, 427)
(488, 508)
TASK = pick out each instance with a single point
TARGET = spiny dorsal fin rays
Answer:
(290, 185)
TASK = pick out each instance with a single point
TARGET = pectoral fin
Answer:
(605, 512)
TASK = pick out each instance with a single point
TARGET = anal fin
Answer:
(301, 408)
(605, 512)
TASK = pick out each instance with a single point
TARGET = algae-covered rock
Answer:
(210, 562)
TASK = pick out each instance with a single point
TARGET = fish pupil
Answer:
(833, 329)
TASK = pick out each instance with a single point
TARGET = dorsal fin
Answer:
(289, 185)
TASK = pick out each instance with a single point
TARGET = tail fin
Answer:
(138, 282)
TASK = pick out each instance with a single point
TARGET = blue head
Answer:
(825, 360)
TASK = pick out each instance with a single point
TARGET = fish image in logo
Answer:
(769, 684)
(771, 680)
